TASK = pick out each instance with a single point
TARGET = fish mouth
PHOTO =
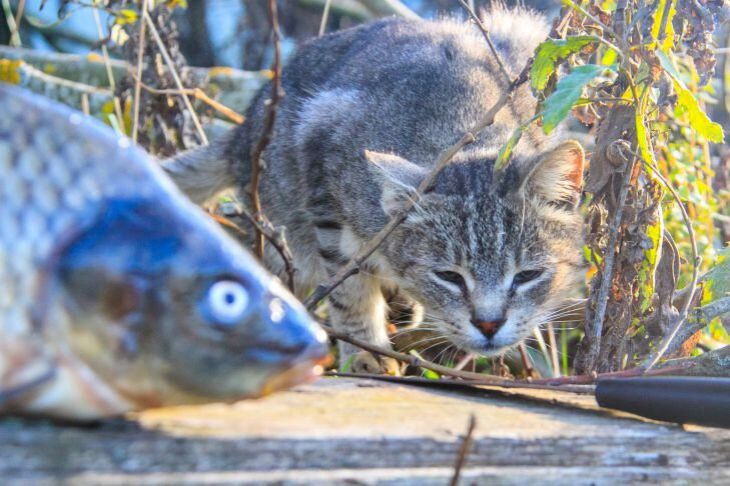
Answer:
(305, 371)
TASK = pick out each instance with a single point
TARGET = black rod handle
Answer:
(679, 399)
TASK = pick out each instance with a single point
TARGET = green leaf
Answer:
(550, 53)
(506, 151)
(345, 368)
(647, 273)
(642, 137)
(430, 375)
(567, 93)
(698, 119)
(669, 29)
(718, 278)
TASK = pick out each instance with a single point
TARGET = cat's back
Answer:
(387, 84)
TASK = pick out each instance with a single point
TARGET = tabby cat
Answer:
(366, 113)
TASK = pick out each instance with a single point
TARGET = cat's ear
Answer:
(397, 177)
(557, 177)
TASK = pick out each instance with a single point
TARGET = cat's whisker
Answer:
(434, 345)
(428, 340)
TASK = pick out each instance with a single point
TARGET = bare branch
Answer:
(463, 450)
(268, 128)
(138, 79)
(277, 238)
(110, 74)
(175, 75)
(325, 17)
(485, 33)
(596, 327)
(664, 346)
(699, 319)
(584, 389)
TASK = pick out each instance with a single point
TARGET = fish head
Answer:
(168, 310)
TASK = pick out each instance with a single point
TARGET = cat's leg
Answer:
(403, 312)
(357, 308)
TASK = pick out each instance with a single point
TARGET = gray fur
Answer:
(366, 112)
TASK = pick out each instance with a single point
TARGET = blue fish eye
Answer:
(227, 301)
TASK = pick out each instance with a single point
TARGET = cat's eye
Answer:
(526, 276)
(452, 277)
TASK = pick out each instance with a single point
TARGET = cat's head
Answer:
(489, 258)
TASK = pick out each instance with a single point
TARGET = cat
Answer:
(366, 113)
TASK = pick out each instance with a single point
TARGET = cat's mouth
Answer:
(482, 345)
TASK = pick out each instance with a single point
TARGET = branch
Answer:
(485, 33)
(268, 128)
(353, 266)
(713, 363)
(700, 318)
(275, 236)
(596, 327)
(410, 359)
(83, 74)
(667, 342)
(469, 384)
(138, 79)
(175, 76)
(463, 450)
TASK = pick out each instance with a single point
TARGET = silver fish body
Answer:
(116, 293)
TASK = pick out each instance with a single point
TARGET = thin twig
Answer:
(662, 35)
(700, 318)
(268, 128)
(653, 360)
(107, 64)
(199, 95)
(18, 17)
(600, 24)
(526, 361)
(485, 33)
(592, 377)
(608, 262)
(138, 79)
(277, 239)
(353, 266)
(579, 389)
(175, 76)
(409, 359)
(12, 24)
(553, 350)
(464, 450)
(325, 17)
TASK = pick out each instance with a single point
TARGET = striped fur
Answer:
(366, 112)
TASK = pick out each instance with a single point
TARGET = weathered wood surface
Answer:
(365, 432)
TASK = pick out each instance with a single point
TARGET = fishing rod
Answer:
(679, 399)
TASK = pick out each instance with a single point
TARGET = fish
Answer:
(117, 294)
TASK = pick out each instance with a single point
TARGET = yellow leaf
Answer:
(10, 70)
(126, 16)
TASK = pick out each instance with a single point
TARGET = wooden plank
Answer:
(340, 430)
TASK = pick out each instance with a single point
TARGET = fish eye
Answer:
(227, 301)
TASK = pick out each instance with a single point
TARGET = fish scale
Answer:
(110, 279)
(50, 179)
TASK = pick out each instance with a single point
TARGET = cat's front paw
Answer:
(365, 362)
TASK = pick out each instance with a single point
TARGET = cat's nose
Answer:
(488, 327)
